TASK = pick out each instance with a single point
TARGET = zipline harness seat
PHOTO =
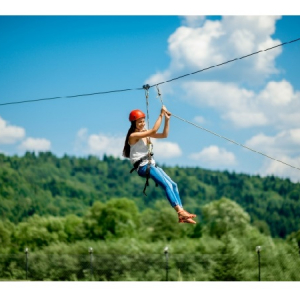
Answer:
(136, 166)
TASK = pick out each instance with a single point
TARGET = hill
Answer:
(46, 185)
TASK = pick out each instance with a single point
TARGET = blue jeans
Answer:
(162, 179)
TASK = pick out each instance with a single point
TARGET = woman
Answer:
(136, 147)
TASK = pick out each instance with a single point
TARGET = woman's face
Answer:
(140, 124)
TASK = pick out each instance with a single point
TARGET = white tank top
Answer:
(139, 150)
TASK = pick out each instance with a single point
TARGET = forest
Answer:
(59, 208)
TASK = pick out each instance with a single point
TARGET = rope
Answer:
(236, 143)
(125, 90)
(223, 137)
(146, 87)
(159, 95)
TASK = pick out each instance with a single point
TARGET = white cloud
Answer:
(199, 119)
(99, 144)
(278, 94)
(214, 156)
(165, 150)
(82, 133)
(284, 146)
(234, 104)
(106, 144)
(193, 21)
(193, 47)
(277, 104)
(37, 145)
(10, 134)
(81, 140)
(196, 47)
(275, 168)
(286, 142)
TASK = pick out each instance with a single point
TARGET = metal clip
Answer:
(146, 86)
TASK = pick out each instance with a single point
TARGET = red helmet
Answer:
(136, 114)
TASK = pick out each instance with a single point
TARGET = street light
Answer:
(26, 262)
(91, 261)
(166, 251)
(258, 249)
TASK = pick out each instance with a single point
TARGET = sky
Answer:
(254, 101)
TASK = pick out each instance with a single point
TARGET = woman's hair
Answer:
(126, 150)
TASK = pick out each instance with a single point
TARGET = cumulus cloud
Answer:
(166, 150)
(35, 144)
(275, 168)
(99, 144)
(283, 146)
(286, 142)
(10, 134)
(202, 43)
(193, 21)
(276, 104)
(214, 156)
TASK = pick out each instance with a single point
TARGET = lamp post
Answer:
(258, 249)
(26, 262)
(166, 251)
(91, 261)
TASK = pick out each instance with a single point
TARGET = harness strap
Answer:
(135, 167)
(138, 162)
(147, 178)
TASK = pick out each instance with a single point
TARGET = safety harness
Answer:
(136, 166)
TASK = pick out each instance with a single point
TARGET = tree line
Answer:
(46, 185)
(128, 245)
(58, 208)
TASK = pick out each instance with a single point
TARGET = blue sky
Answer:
(254, 101)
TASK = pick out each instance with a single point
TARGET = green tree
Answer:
(227, 265)
(6, 229)
(117, 218)
(74, 228)
(38, 232)
(225, 216)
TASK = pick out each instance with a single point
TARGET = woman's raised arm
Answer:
(147, 133)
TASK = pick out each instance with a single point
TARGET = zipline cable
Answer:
(125, 90)
(74, 96)
(232, 141)
(223, 137)
(225, 62)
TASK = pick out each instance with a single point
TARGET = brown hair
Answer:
(126, 149)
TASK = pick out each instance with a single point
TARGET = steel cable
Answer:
(125, 90)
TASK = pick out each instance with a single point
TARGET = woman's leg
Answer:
(171, 189)
(162, 179)
(172, 184)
